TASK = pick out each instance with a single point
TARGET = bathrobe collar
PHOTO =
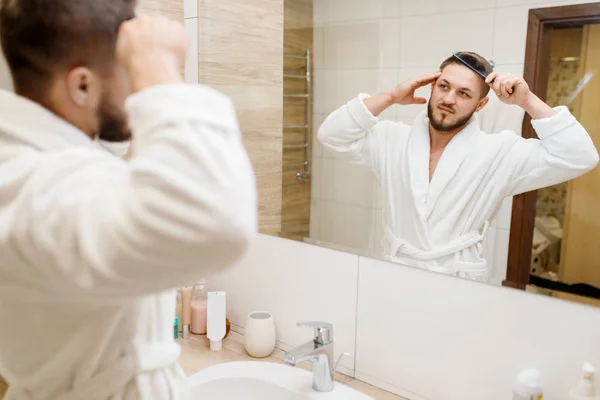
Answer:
(427, 193)
(28, 122)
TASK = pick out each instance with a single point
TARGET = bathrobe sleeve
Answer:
(88, 224)
(356, 135)
(564, 151)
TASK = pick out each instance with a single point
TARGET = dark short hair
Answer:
(475, 60)
(42, 37)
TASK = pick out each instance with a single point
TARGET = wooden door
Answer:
(580, 260)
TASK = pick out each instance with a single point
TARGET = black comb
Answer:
(483, 74)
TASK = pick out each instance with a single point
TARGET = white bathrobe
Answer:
(91, 246)
(440, 225)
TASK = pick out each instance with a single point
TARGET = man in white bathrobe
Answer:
(91, 245)
(442, 179)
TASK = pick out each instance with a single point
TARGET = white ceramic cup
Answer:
(260, 334)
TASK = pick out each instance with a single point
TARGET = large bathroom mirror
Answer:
(334, 50)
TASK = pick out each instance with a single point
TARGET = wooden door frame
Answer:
(537, 56)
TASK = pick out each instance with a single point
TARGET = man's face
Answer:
(455, 97)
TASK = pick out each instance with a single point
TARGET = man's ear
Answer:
(482, 103)
(82, 87)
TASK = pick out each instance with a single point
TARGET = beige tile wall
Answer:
(169, 8)
(240, 54)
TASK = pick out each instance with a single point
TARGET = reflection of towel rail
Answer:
(295, 127)
(298, 164)
(308, 126)
(295, 76)
(295, 146)
(296, 56)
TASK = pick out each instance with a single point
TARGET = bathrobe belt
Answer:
(400, 248)
(113, 380)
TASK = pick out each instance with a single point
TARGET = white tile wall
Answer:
(377, 235)
(358, 225)
(190, 15)
(191, 61)
(315, 219)
(320, 96)
(419, 334)
(344, 224)
(352, 46)
(320, 13)
(445, 34)
(429, 7)
(317, 149)
(391, 8)
(336, 87)
(354, 185)
(295, 282)
(316, 177)
(428, 336)
(332, 222)
(501, 255)
(509, 44)
(568, 2)
(388, 80)
(531, 3)
(190, 8)
(318, 42)
(489, 247)
(335, 11)
(510, 68)
(328, 183)
(390, 42)
(407, 120)
(539, 3)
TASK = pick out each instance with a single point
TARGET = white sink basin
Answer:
(253, 380)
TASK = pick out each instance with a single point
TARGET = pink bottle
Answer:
(199, 301)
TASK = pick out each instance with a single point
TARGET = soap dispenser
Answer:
(528, 385)
(586, 388)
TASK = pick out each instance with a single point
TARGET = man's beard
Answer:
(440, 126)
(113, 123)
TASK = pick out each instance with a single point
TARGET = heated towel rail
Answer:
(307, 128)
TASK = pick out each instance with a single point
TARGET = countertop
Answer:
(196, 355)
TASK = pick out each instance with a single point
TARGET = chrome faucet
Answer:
(320, 352)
